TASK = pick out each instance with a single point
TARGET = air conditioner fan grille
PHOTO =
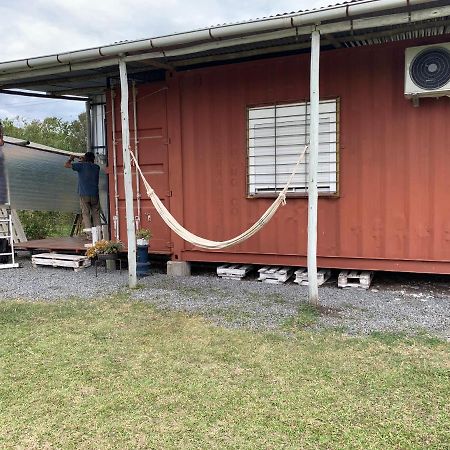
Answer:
(430, 69)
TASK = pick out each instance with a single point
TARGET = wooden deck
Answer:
(70, 244)
(74, 244)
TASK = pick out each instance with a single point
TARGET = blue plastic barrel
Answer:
(143, 264)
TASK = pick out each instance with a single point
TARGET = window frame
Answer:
(293, 194)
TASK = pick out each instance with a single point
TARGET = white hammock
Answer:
(206, 243)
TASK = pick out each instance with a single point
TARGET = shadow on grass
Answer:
(390, 338)
(17, 312)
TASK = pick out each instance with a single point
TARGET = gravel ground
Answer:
(395, 303)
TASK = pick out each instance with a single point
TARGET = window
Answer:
(276, 136)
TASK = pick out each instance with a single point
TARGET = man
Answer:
(88, 175)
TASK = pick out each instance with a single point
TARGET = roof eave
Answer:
(159, 52)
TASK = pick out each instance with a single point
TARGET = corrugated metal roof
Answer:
(256, 19)
(69, 73)
(287, 14)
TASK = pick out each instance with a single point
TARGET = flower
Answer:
(104, 247)
(144, 233)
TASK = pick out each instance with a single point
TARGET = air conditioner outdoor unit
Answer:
(427, 71)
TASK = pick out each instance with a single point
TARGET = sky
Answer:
(44, 27)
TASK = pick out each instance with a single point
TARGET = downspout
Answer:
(88, 126)
(127, 178)
(313, 293)
(116, 220)
(136, 154)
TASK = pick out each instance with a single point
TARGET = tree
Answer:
(51, 131)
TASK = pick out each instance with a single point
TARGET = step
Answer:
(76, 262)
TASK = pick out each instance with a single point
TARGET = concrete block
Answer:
(178, 268)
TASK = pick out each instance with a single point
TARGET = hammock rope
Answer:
(198, 241)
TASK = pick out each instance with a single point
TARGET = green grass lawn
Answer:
(119, 374)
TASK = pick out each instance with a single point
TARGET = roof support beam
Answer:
(68, 68)
(64, 80)
(128, 182)
(40, 95)
(313, 293)
(79, 91)
(334, 42)
(243, 54)
(157, 64)
(391, 33)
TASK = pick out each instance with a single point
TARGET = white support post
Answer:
(313, 292)
(131, 231)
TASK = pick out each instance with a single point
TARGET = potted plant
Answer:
(104, 249)
(143, 236)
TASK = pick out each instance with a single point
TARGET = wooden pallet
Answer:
(355, 278)
(275, 274)
(9, 265)
(233, 271)
(301, 276)
(75, 262)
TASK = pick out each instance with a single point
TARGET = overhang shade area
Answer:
(92, 72)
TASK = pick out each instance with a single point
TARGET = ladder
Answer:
(7, 233)
(17, 228)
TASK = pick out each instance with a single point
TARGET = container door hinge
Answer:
(169, 193)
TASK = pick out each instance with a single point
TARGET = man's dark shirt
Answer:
(88, 174)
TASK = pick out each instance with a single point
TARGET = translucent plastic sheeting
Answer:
(37, 179)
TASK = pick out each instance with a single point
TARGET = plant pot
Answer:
(108, 256)
(110, 260)
(142, 242)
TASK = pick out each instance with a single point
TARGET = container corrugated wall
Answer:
(392, 210)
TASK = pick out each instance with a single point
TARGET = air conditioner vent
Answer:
(427, 71)
(430, 69)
